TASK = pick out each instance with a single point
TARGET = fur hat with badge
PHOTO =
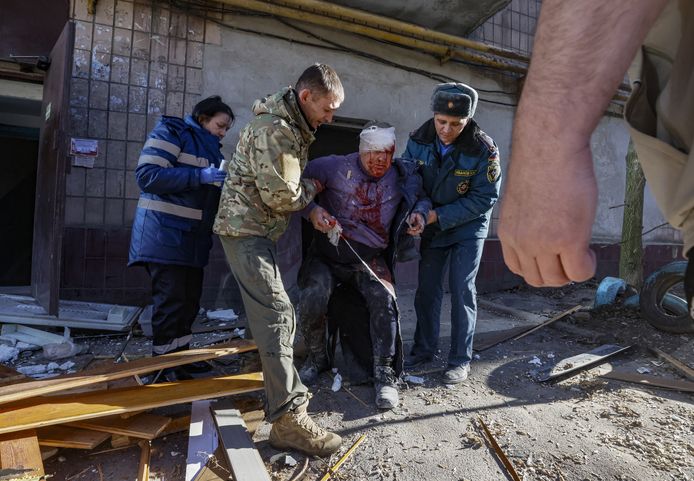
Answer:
(456, 99)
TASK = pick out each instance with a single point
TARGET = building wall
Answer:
(133, 62)
(137, 60)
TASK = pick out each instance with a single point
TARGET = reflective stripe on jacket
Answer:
(173, 220)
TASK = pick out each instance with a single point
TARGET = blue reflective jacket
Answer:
(175, 212)
(463, 185)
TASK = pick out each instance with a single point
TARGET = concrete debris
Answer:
(8, 353)
(535, 361)
(337, 381)
(222, 315)
(663, 454)
(283, 460)
(39, 369)
(61, 350)
(413, 379)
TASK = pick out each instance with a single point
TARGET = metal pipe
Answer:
(442, 51)
(378, 21)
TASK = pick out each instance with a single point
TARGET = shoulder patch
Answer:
(493, 171)
(488, 142)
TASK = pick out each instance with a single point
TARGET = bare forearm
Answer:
(582, 49)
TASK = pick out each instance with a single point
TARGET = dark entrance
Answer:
(20, 146)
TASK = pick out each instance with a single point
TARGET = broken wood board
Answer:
(216, 468)
(20, 450)
(511, 311)
(202, 438)
(240, 451)
(511, 470)
(252, 411)
(549, 321)
(83, 315)
(576, 363)
(118, 371)
(177, 425)
(143, 426)
(650, 381)
(47, 411)
(485, 340)
(70, 437)
(145, 454)
(678, 365)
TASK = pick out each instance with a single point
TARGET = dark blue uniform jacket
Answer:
(175, 212)
(463, 185)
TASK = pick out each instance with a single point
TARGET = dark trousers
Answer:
(176, 292)
(318, 278)
(464, 263)
(270, 317)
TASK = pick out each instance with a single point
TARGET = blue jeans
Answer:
(464, 263)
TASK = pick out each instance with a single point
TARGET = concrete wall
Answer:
(136, 60)
(248, 66)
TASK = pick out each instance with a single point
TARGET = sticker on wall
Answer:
(83, 152)
(84, 147)
(48, 111)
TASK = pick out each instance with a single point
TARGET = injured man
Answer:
(368, 198)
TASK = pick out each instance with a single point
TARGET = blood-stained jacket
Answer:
(264, 186)
(463, 186)
(173, 220)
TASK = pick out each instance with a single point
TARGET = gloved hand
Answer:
(210, 175)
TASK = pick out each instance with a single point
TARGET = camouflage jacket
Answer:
(264, 186)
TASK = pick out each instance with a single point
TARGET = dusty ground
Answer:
(582, 428)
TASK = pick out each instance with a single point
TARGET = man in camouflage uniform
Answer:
(263, 187)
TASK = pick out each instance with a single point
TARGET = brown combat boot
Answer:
(296, 430)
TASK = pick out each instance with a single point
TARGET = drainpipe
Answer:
(442, 51)
(380, 22)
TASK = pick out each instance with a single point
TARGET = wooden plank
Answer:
(485, 340)
(20, 450)
(548, 322)
(576, 363)
(216, 468)
(145, 453)
(202, 438)
(681, 367)
(39, 412)
(241, 453)
(118, 441)
(70, 437)
(252, 411)
(650, 381)
(118, 371)
(177, 425)
(142, 426)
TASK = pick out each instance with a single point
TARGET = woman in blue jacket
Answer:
(179, 175)
(460, 170)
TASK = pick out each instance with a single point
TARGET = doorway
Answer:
(20, 111)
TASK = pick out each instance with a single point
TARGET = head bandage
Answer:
(373, 139)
